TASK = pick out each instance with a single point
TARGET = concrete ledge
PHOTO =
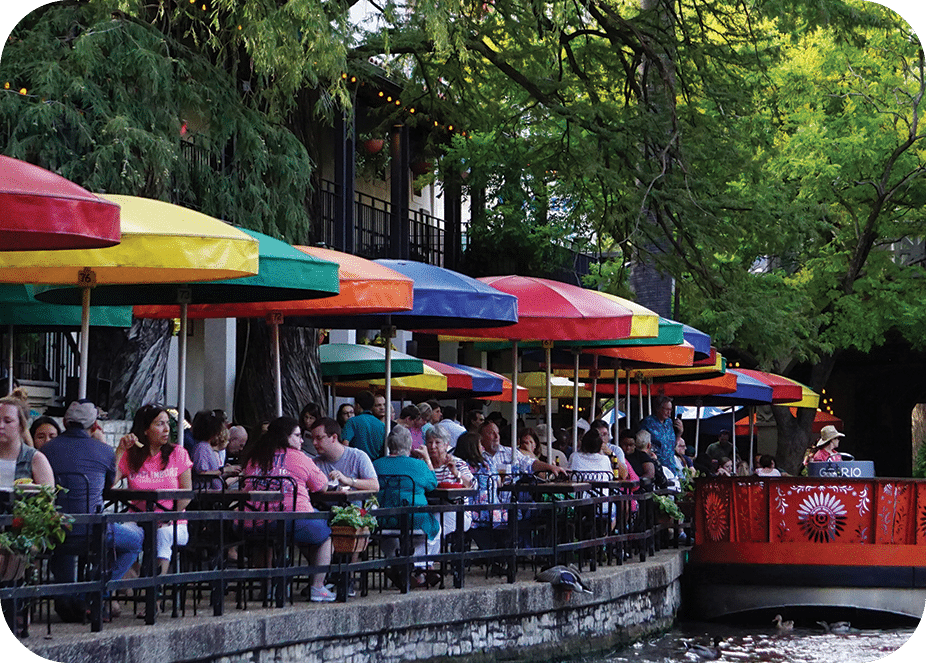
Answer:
(480, 623)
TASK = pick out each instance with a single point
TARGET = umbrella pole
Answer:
(649, 395)
(10, 361)
(595, 392)
(627, 397)
(640, 393)
(388, 333)
(697, 428)
(752, 438)
(575, 401)
(181, 370)
(617, 399)
(274, 319)
(514, 397)
(547, 345)
(84, 343)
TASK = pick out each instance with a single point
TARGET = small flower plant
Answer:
(354, 515)
(37, 524)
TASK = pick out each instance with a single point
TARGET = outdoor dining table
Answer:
(326, 499)
(237, 499)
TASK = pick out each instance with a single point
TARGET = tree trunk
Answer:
(255, 400)
(135, 363)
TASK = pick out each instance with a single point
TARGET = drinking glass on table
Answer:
(504, 469)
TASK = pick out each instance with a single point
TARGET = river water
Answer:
(747, 645)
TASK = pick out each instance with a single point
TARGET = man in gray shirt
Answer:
(346, 465)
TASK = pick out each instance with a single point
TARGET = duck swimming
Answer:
(563, 578)
(836, 627)
(703, 652)
(783, 626)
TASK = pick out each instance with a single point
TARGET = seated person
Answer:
(497, 455)
(75, 450)
(346, 466)
(589, 459)
(42, 430)
(644, 462)
(404, 480)
(529, 443)
(767, 467)
(449, 470)
(211, 437)
(278, 453)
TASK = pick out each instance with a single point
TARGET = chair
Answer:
(80, 557)
(397, 535)
(263, 542)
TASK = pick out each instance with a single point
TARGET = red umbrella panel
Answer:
(783, 389)
(819, 421)
(41, 211)
(724, 384)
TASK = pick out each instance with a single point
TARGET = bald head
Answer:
(237, 438)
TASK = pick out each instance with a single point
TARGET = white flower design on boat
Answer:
(822, 517)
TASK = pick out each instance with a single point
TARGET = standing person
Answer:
(29, 463)
(43, 430)
(662, 432)
(364, 430)
(277, 453)
(825, 448)
(151, 461)
(379, 408)
(75, 450)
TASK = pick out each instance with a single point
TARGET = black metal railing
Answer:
(372, 218)
(601, 526)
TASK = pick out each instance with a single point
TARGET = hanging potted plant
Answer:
(37, 526)
(373, 145)
(351, 526)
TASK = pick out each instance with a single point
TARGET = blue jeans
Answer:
(125, 543)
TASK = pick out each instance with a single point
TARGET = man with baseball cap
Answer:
(75, 451)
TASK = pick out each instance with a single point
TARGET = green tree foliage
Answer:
(117, 105)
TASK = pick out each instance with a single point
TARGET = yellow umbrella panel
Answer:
(431, 381)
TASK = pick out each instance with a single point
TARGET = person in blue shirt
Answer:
(662, 431)
(365, 431)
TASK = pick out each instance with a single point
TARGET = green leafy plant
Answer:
(354, 515)
(668, 506)
(37, 524)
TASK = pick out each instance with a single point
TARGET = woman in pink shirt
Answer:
(278, 453)
(150, 461)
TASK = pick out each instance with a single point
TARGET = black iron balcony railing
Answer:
(372, 218)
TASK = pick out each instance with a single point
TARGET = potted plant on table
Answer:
(37, 526)
(351, 526)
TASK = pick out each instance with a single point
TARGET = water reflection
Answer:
(767, 645)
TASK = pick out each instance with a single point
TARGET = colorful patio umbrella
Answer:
(552, 311)
(161, 244)
(484, 383)
(20, 310)
(783, 389)
(363, 362)
(429, 381)
(366, 287)
(42, 211)
(522, 393)
(283, 274)
(442, 298)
